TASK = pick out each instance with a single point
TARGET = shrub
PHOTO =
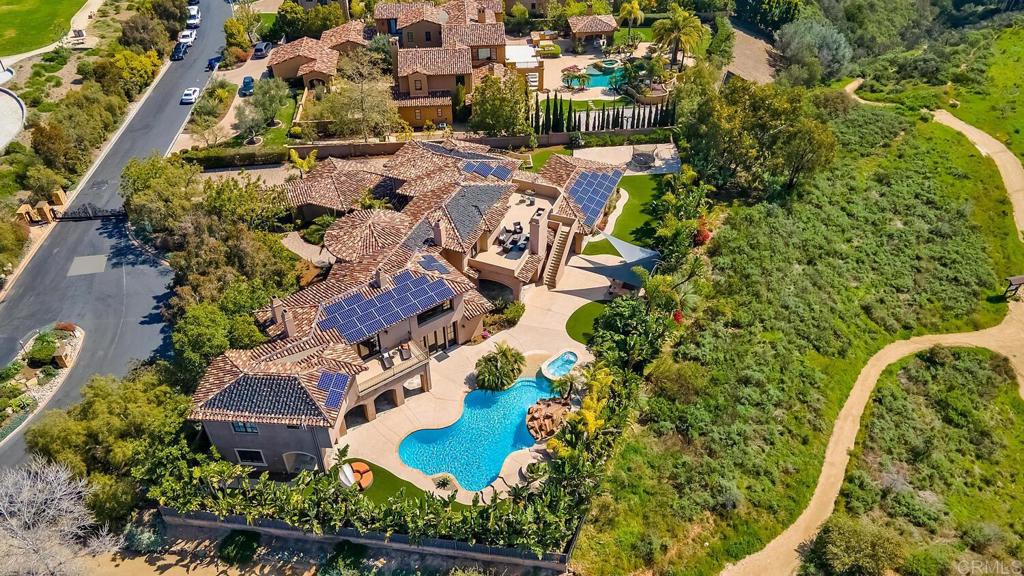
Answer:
(553, 51)
(239, 547)
(143, 539)
(314, 233)
(443, 482)
(295, 132)
(576, 140)
(235, 157)
(497, 370)
(346, 560)
(42, 351)
(10, 371)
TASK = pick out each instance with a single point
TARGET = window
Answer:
(440, 113)
(244, 428)
(426, 36)
(251, 457)
(417, 85)
(368, 348)
(409, 36)
(417, 113)
(428, 315)
(483, 54)
(533, 6)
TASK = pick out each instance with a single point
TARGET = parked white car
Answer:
(195, 17)
(190, 96)
(187, 37)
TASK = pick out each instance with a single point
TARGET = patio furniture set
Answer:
(514, 239)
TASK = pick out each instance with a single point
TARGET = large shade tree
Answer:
(500, 107)
(631, 14)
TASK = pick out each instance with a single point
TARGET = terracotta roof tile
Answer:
(473, 34)
(309, 49)
(593, 24)
(364, 233)
(434, 61)
(421, 13)
(351, 31)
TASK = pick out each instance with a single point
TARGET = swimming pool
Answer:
(492, 426)
(601, 78)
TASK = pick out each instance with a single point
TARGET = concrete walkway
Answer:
(781, 557)
(79, 21)
(540, 334)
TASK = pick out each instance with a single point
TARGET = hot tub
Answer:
(560, 365)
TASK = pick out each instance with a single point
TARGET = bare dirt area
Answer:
(752, 55)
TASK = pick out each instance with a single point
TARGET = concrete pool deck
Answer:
(540, 335)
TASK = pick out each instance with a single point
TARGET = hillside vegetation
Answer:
(938, 470)
(910, 231)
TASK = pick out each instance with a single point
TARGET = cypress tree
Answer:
(547, 114)
(671, 115)
(572, 118)
(536, 114)
(586, 120)
(554, 115)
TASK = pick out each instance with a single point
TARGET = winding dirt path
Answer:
(781, 557)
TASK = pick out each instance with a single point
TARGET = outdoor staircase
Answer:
(533, 81)
(557, 253)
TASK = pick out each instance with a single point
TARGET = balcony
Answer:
(377, 374)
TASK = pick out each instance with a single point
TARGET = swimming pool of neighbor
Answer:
(601, 78)
(473, 449)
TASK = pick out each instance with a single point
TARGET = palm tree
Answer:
(631, 13)
(682, 30)
(303, 165)
(497, 370)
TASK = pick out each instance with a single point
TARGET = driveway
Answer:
(88, 272)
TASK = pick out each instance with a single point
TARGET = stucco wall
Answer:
(274, 440)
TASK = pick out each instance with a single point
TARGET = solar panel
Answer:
(591, 191)
(335, 384)
(502, 172)
(428, 262)
(483, 169)
(469, 167)
(453, 153)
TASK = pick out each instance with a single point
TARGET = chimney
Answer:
(277, 309)
(393, 48)
(378, 279)
(481, 14)
(289, 323)
(590, 8)
(437, 233)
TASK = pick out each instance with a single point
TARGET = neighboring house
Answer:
(348, 36)
(486, 41)
(591, 26)
(306, 58)
(535, 7)
(426, 79)
(404, 286)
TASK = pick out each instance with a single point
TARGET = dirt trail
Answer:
(781, 557)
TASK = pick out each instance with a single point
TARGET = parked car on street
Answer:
(248, 85)
(190, 95)
(179, 52)
(195, 17)
(261, 49)
(187, 37)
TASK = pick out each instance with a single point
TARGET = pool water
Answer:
(473, 449)
(563, 364)
(600, 78)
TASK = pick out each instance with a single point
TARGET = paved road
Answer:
(88, 272)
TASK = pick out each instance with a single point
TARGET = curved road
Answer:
(88, 272)
(781, 556)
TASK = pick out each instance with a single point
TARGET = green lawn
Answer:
(279, 136)
(642, 34)
(541, 155)
(1000, 109)
(267, 20)
(641, 191)
(386, 484)
(581, 323)
(29, 24)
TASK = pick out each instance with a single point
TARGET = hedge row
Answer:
(210, 158)
(596, 139)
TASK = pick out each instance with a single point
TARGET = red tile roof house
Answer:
(316, 61)
(405, 285)
(590, 26)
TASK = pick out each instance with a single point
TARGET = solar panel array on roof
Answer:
(591, 191)
(428, 262)
(486, 169)
(355, 317)
(335, 384)
(454, 153)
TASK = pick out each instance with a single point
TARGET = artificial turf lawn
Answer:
(29, 24)
(581, 323)
(634, 215)
(540, 157)
(386, 484)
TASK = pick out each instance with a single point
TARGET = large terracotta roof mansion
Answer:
(406, 284)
